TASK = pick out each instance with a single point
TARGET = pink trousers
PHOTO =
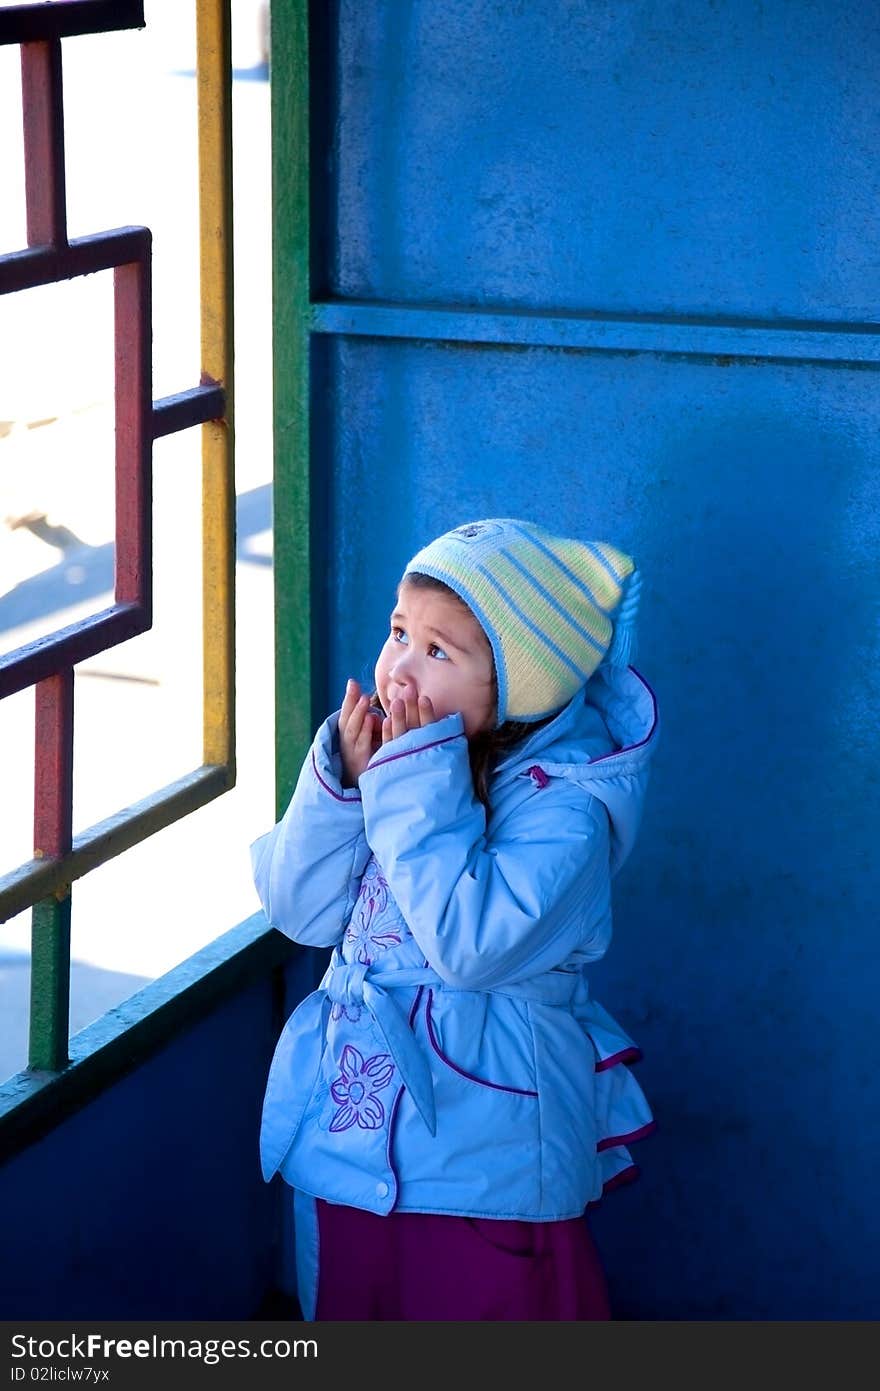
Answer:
(419, 1266)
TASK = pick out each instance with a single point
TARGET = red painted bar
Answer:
(30, 23)
(53, 766)
(134, 437)
(186, 408)
(42, 105)
(37, 660)
(24, 270)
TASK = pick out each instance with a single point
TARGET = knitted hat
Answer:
(544, 602)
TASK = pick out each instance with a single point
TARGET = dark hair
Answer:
(486, 748)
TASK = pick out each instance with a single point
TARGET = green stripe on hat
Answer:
(561, 593)
(468, 580)
(545, 603)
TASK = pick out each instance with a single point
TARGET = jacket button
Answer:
(382, 1189)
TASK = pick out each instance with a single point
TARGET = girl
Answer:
(450, 1099)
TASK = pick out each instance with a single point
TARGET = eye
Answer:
(435, 648)
(394, 631)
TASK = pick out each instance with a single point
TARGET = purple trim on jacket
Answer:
(406, 753)
(355, 798)
(627, 1175)
(626, 1055)
(481, 1081)
(612, 1141)
(396, 1102)
(630, 748)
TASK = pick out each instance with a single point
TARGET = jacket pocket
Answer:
(476, 1078)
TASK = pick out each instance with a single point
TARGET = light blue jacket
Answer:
(452, 1060)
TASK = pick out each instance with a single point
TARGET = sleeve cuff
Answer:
(327, 762)
(417, 741)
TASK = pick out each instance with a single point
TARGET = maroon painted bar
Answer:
(134, 437)
(53, 766)
(127, 252)
(42, 105)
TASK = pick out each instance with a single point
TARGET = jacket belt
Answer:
(368, 985)
(372, 987)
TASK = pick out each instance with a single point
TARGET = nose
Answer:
(401, 676)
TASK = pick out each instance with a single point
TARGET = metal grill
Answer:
(60, 858)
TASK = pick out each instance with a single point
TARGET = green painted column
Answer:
(295, 712)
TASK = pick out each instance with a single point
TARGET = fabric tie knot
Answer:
(345, 985)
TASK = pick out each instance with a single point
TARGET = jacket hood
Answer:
(602, 740)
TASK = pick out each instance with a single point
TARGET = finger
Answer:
(350, 700)
(412, 713)
(398, 718)
(386, 730)
(367, 732)
(426, 710)
(356, 720)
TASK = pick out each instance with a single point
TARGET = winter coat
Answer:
(452, 1060)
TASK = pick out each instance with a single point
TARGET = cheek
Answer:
(384, 662)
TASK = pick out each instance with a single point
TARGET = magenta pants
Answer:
(418, 1266)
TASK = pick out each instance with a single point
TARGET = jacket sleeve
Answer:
(308, 867)
(486, 911)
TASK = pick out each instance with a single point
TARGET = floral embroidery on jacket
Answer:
(372, 901)
(351, 1012)
(354, 1090)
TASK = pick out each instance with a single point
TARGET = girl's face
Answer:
(437, 648)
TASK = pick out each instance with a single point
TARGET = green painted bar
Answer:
(296, 699)
(50, 984)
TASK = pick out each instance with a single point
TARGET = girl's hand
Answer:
(410, 714)
(359, 734)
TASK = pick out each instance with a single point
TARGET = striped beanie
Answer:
(545, 603)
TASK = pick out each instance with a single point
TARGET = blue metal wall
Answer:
(613, 266)
(149, 1203)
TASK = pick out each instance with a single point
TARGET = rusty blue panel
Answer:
(697, 158)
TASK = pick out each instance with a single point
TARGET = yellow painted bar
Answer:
(214, 80)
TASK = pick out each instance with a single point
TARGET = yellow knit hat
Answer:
(544, 602)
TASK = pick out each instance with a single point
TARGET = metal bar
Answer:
(214, 82)
(295, 702)
(37, 660)
(797, 342)
(30, 23)
(42, 108)
(50, 984)
(53, 766)
(134, 436)
(124, 1038)
(53, 823)
(31, 882)
(25, 270)
(36, 879)
(186, 408)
